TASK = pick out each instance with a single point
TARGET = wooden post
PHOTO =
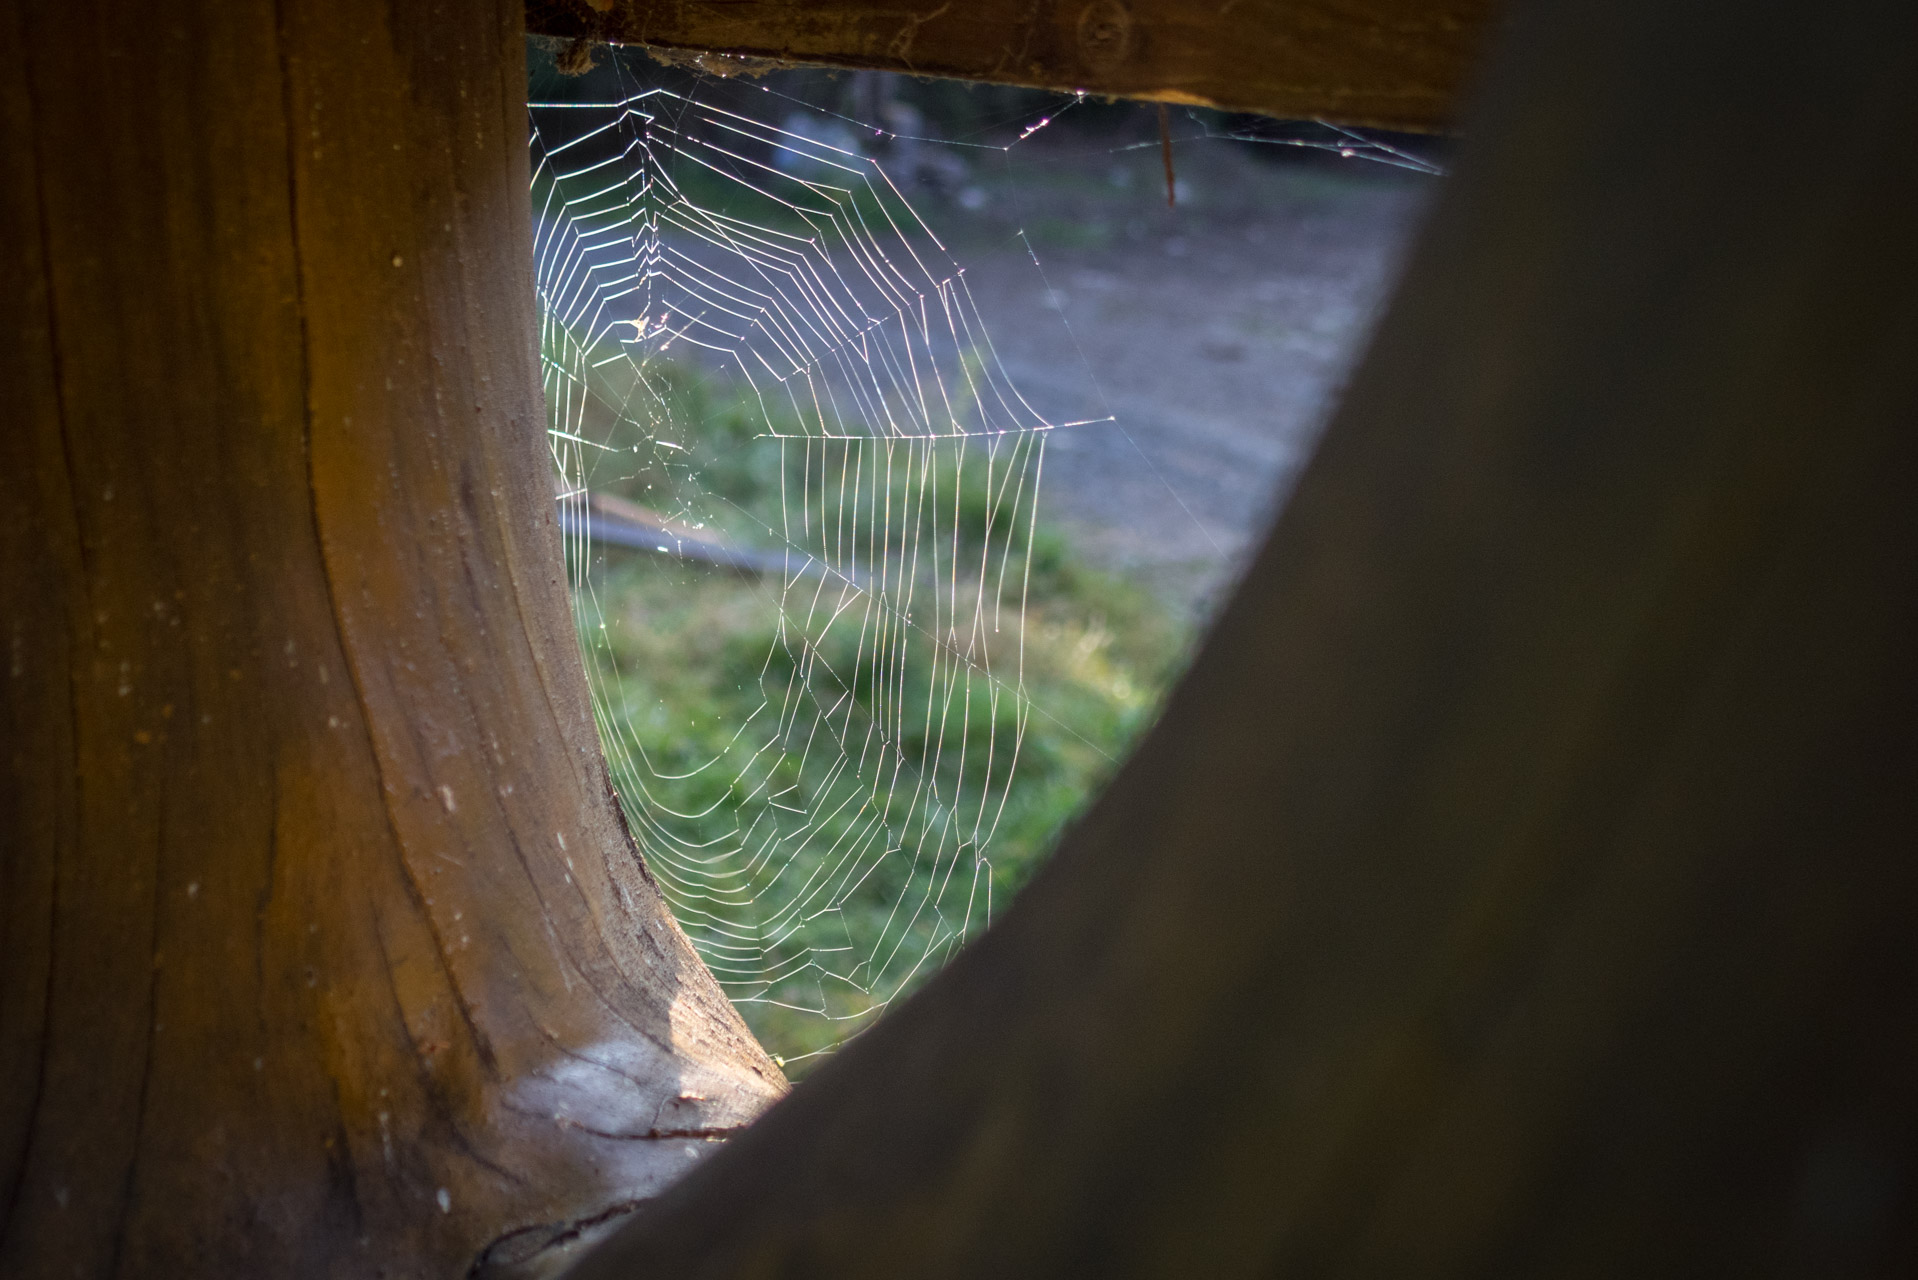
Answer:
(324, 950)
(1523, 881)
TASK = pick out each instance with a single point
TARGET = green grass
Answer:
(682, 656)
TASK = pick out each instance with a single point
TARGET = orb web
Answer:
(764, 371)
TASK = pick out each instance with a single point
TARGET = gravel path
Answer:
(1217, 334)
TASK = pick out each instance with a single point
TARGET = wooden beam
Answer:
(1400, 64)
(1522, 883)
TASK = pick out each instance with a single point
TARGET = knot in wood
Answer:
(1105, 35)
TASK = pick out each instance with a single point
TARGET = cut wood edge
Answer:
(1389, 64)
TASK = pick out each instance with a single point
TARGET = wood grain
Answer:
(1400, 64)
(325, 950)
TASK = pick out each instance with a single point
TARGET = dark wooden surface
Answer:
(296, 975)
(1401, 64)
(1523, 880)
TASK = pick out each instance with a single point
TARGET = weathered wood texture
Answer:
(1399, 64)
(1523, 881)
(322, 949)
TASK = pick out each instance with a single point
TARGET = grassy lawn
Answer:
(821, 769)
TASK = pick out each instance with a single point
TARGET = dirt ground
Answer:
(1217, 334)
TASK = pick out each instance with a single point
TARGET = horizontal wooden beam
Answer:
(1399, 64)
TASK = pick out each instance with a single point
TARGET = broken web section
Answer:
(764, 371)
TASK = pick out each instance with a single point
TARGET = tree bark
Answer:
(1522, 880)
(1399, 64)
(325, 950)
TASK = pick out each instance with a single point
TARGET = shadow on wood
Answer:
(1522, 881)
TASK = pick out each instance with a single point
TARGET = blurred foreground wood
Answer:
(1400, 64)
(1524, 881)
(323, 951)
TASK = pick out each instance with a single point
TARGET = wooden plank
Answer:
(1400, 64)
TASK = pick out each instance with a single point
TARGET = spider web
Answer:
(763, 369)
